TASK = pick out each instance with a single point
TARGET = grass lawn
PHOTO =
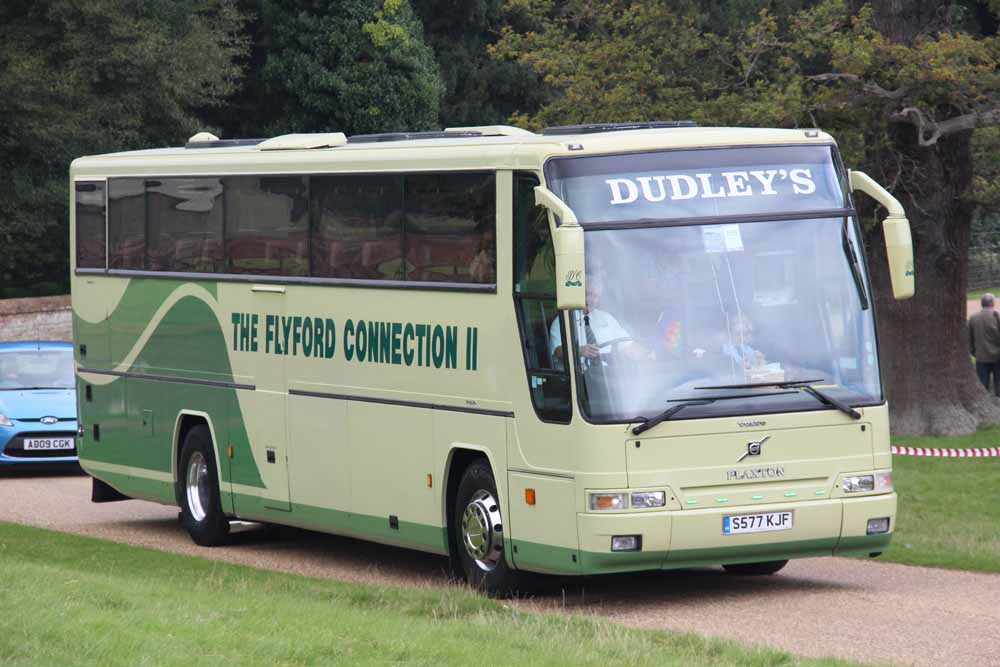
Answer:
(978, 294)
(949, 509)
(75, 600)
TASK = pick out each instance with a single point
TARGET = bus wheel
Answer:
(201, 507)
(478, 532)
(769, 567)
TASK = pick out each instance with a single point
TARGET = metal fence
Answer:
(984, 260)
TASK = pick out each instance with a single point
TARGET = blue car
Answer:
(37, 404)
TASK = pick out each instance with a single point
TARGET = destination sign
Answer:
(668, 185)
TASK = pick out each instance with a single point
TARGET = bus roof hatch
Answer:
(290, 142)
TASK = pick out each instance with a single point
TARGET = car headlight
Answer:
(4, 421)
(858, 483)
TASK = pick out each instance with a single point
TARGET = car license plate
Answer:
(48, 443)
(756, 523)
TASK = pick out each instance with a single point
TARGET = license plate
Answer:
(756, 523)
(48, 443)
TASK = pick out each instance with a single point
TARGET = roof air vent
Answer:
(618, 127)
(202, 137)
(291, 142)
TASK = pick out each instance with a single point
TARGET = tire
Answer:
(198, 490)
(477, 529)
(755, 569)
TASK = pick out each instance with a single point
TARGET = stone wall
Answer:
(42, 318)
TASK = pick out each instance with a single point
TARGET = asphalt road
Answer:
(866, 610)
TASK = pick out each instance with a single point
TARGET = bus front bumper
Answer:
(695, 538)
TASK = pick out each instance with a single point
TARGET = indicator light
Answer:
(608, 501)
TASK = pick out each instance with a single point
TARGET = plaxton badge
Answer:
(755, 473)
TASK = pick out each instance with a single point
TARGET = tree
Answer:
(84, 78)
(922, 87)
(908, 87)
(479, 90)
(353, 66)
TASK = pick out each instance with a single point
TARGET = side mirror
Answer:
(567, 241)
(896, 229)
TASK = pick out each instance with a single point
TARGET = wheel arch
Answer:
(460, 456)
(185, 421)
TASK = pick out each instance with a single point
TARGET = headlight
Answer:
(859, 484)
(4, 421)
(643, 499)
(607, 501)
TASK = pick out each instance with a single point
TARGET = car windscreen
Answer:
(36, 369)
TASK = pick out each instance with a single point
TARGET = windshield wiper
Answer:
(852, 261)
(804, 385)
(684, 403)
(825, 398)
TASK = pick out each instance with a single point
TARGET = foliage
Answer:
(820, 65)
(479, 90)
(354, 66)
(84, 78)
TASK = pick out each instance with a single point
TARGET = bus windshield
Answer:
(727, 296)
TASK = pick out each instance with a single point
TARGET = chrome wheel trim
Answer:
(482, 530)
(196, 488)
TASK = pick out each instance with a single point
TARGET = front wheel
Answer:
(477, 529)
(198, 490)
(753, 569)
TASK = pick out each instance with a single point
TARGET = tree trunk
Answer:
(929, 380)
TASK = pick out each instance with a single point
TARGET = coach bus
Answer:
(596, 349)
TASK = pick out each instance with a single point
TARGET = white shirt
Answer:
(602, 323)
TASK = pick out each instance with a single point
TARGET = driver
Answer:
(595, 328)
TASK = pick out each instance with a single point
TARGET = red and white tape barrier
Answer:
(974, 453)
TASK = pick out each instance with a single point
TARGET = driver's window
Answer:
(535, 302)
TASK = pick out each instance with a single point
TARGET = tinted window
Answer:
(451, 227)
(358, 227)
(126, 223)
(420, 227)
(542, 331)
(267, 224)
(91, 248)
(184, 224)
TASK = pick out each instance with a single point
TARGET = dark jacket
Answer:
(984, 336)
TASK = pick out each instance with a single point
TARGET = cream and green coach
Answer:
(596, 349)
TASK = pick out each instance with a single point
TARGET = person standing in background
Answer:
(984, 342)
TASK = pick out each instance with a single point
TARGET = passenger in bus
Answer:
(738, 348)
(597, 331)
(483, 268)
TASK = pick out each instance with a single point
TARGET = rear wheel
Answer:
(198, 490)
(751, 569)
(477, 529)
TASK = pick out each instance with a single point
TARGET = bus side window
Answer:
(535, 303)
